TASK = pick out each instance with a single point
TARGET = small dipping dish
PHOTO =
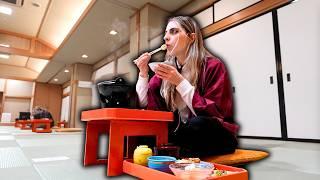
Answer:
(161, 163)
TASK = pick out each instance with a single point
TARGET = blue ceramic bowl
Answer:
(161, 163)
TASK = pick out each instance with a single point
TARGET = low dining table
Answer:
(119, 123)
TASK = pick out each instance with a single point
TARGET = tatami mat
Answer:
(72, 170)
(4, 132)
(12, 157)
(287, 160)
(6, 138)
(46, 141)
(12, 143)
(20, 173)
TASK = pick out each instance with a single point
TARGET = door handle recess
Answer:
(288, 77)
(271, 79)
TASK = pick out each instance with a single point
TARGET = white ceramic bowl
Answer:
(153, 65)
(192, 170)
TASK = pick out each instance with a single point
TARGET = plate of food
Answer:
(194, 168)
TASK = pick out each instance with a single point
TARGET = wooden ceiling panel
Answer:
(37, 64)
(14, 40)
(15, 60)
(167, 5)
(61, 17)
(50, 71)
(27, 19)
(14, 72)
(92, 36)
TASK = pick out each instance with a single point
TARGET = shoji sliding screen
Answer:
(248, 52)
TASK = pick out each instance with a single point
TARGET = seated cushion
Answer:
(240, 156)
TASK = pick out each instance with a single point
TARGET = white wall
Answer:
(66, 90)
(2, 81)
(248, 51)
(299, 28)
(106, 72)
(127, 68)
(205, 17)
(14, 106)
(225, 8)
(65, 108)
(65, 105)
(19, 88)
(103, 73)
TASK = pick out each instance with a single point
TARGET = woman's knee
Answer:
(203, 122)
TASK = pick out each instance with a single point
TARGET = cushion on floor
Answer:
(240, 156)
(69, 130)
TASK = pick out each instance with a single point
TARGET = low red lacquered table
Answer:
(45, 121)
(119, 123)
(62, 124)
(17, 123)
(24, 124)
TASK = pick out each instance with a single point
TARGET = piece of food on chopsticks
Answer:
(163, 47)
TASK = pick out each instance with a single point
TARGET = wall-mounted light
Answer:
(113, 32)
(84, 56)
(66, 71)
(4, 45)
(56, 80)
(4, 56)
(5, 10)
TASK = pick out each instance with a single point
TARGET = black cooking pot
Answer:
(116, 93)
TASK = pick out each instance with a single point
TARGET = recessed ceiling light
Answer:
(56, 79)
(66, 71)
(84, 56)
(113, 32)
(4, 56)
(5, 45)
(5, 10)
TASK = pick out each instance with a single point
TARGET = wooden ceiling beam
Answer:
(28, 53)
(2, 31)
(242, 16)
(24, 45)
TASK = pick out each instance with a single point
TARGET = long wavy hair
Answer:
(195, 56)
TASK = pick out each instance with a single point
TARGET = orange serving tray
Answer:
(144, 172)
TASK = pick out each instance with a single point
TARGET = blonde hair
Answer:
(196, 53)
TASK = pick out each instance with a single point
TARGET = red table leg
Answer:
(94, 128)
(115, 154)
(118, 130)
(24, 125)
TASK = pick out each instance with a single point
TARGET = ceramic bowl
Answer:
(153, 65)
(192, 170)
(161, 163)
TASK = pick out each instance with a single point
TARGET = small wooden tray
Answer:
(144, 172)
